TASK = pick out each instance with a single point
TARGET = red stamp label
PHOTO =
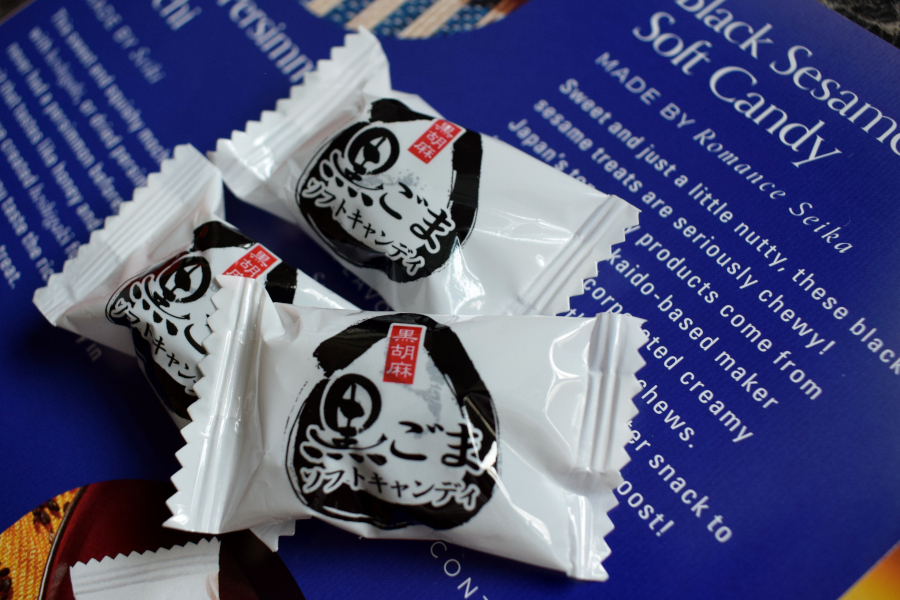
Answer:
(438, 137)
(403, 351)
(257, 261)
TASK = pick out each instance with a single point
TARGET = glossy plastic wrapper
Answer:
(143, 284)
(437, 218)
(189, 572)
(502, 434)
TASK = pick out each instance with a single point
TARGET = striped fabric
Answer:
(412, 19)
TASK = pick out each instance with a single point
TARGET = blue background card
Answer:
(760, 140)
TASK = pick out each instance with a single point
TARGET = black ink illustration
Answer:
(377, 205)
(167, 307)
(392, 454)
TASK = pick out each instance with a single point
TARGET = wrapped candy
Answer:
(144, 282)
(143, 285)
(502, 434)
(437, 218)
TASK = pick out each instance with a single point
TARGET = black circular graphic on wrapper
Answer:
(373, 151)
(346, 402)
(184, 281)
(351, 180)
(370, 451)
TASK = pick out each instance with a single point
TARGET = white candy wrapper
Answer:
(438, 219)
(143, 284)
(501, 434)
(188, 572)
